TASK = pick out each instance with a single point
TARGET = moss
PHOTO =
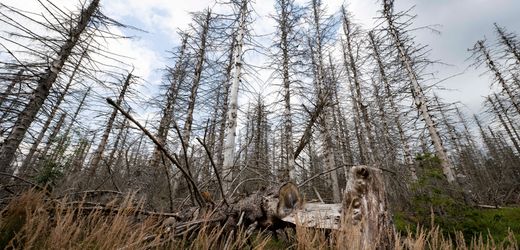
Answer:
(470, 221)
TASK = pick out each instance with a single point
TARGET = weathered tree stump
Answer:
(365, 211)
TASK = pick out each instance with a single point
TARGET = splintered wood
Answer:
(316, 215)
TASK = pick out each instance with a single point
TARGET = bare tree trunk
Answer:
(509, 41)
(389, 95)
(225, 88)
(498, 75)
(504, 113)
(361, 140)
(98, 154)
(323, 94)
(418, 94)
(45, 82)
(177, 77)
(9, 90)
(365, 126)
(196, 80)
(29, 158)
(287, 139)
(229, 145)
(65, 136)
(366, 216)
(504, 124)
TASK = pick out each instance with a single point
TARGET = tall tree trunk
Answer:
(199, 67)
(509, 41)
(498, 75)
(418, 94)
(229, 145)
(45, 82)
(287, 139)
(390, 96)
(54, 110)
(365, 126)
(177, 78)
(98, 154)
(323, 94)
(225, 87)
(506, 116)
(504, 124)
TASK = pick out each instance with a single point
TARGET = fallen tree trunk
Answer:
(362, 220)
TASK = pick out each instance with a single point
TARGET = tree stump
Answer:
(366, 220)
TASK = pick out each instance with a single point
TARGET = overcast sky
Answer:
(461, 23)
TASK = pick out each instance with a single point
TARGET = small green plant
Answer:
(50, 172)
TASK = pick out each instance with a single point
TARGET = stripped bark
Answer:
(229, 144)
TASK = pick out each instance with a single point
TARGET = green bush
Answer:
(435, 201)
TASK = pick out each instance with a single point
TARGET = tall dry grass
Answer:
(32, 221)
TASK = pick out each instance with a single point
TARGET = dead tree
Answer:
(350, 50)
(389, 95)
(316, 43)
(98, 153)
(399, 38)
(44, 84)
(175, 78)
(285, 55)
(482, 55)
(232, 112)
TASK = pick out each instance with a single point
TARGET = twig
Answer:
(26, 181)
(215, 170)
(161, 147)
(320, 174)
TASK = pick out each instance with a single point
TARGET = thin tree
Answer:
(398, 37)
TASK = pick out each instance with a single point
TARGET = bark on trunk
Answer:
(229, 144)
(28, 159)
(177, 78)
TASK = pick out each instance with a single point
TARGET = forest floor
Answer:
(33, 221)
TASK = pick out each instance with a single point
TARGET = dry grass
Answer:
(30, 221)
